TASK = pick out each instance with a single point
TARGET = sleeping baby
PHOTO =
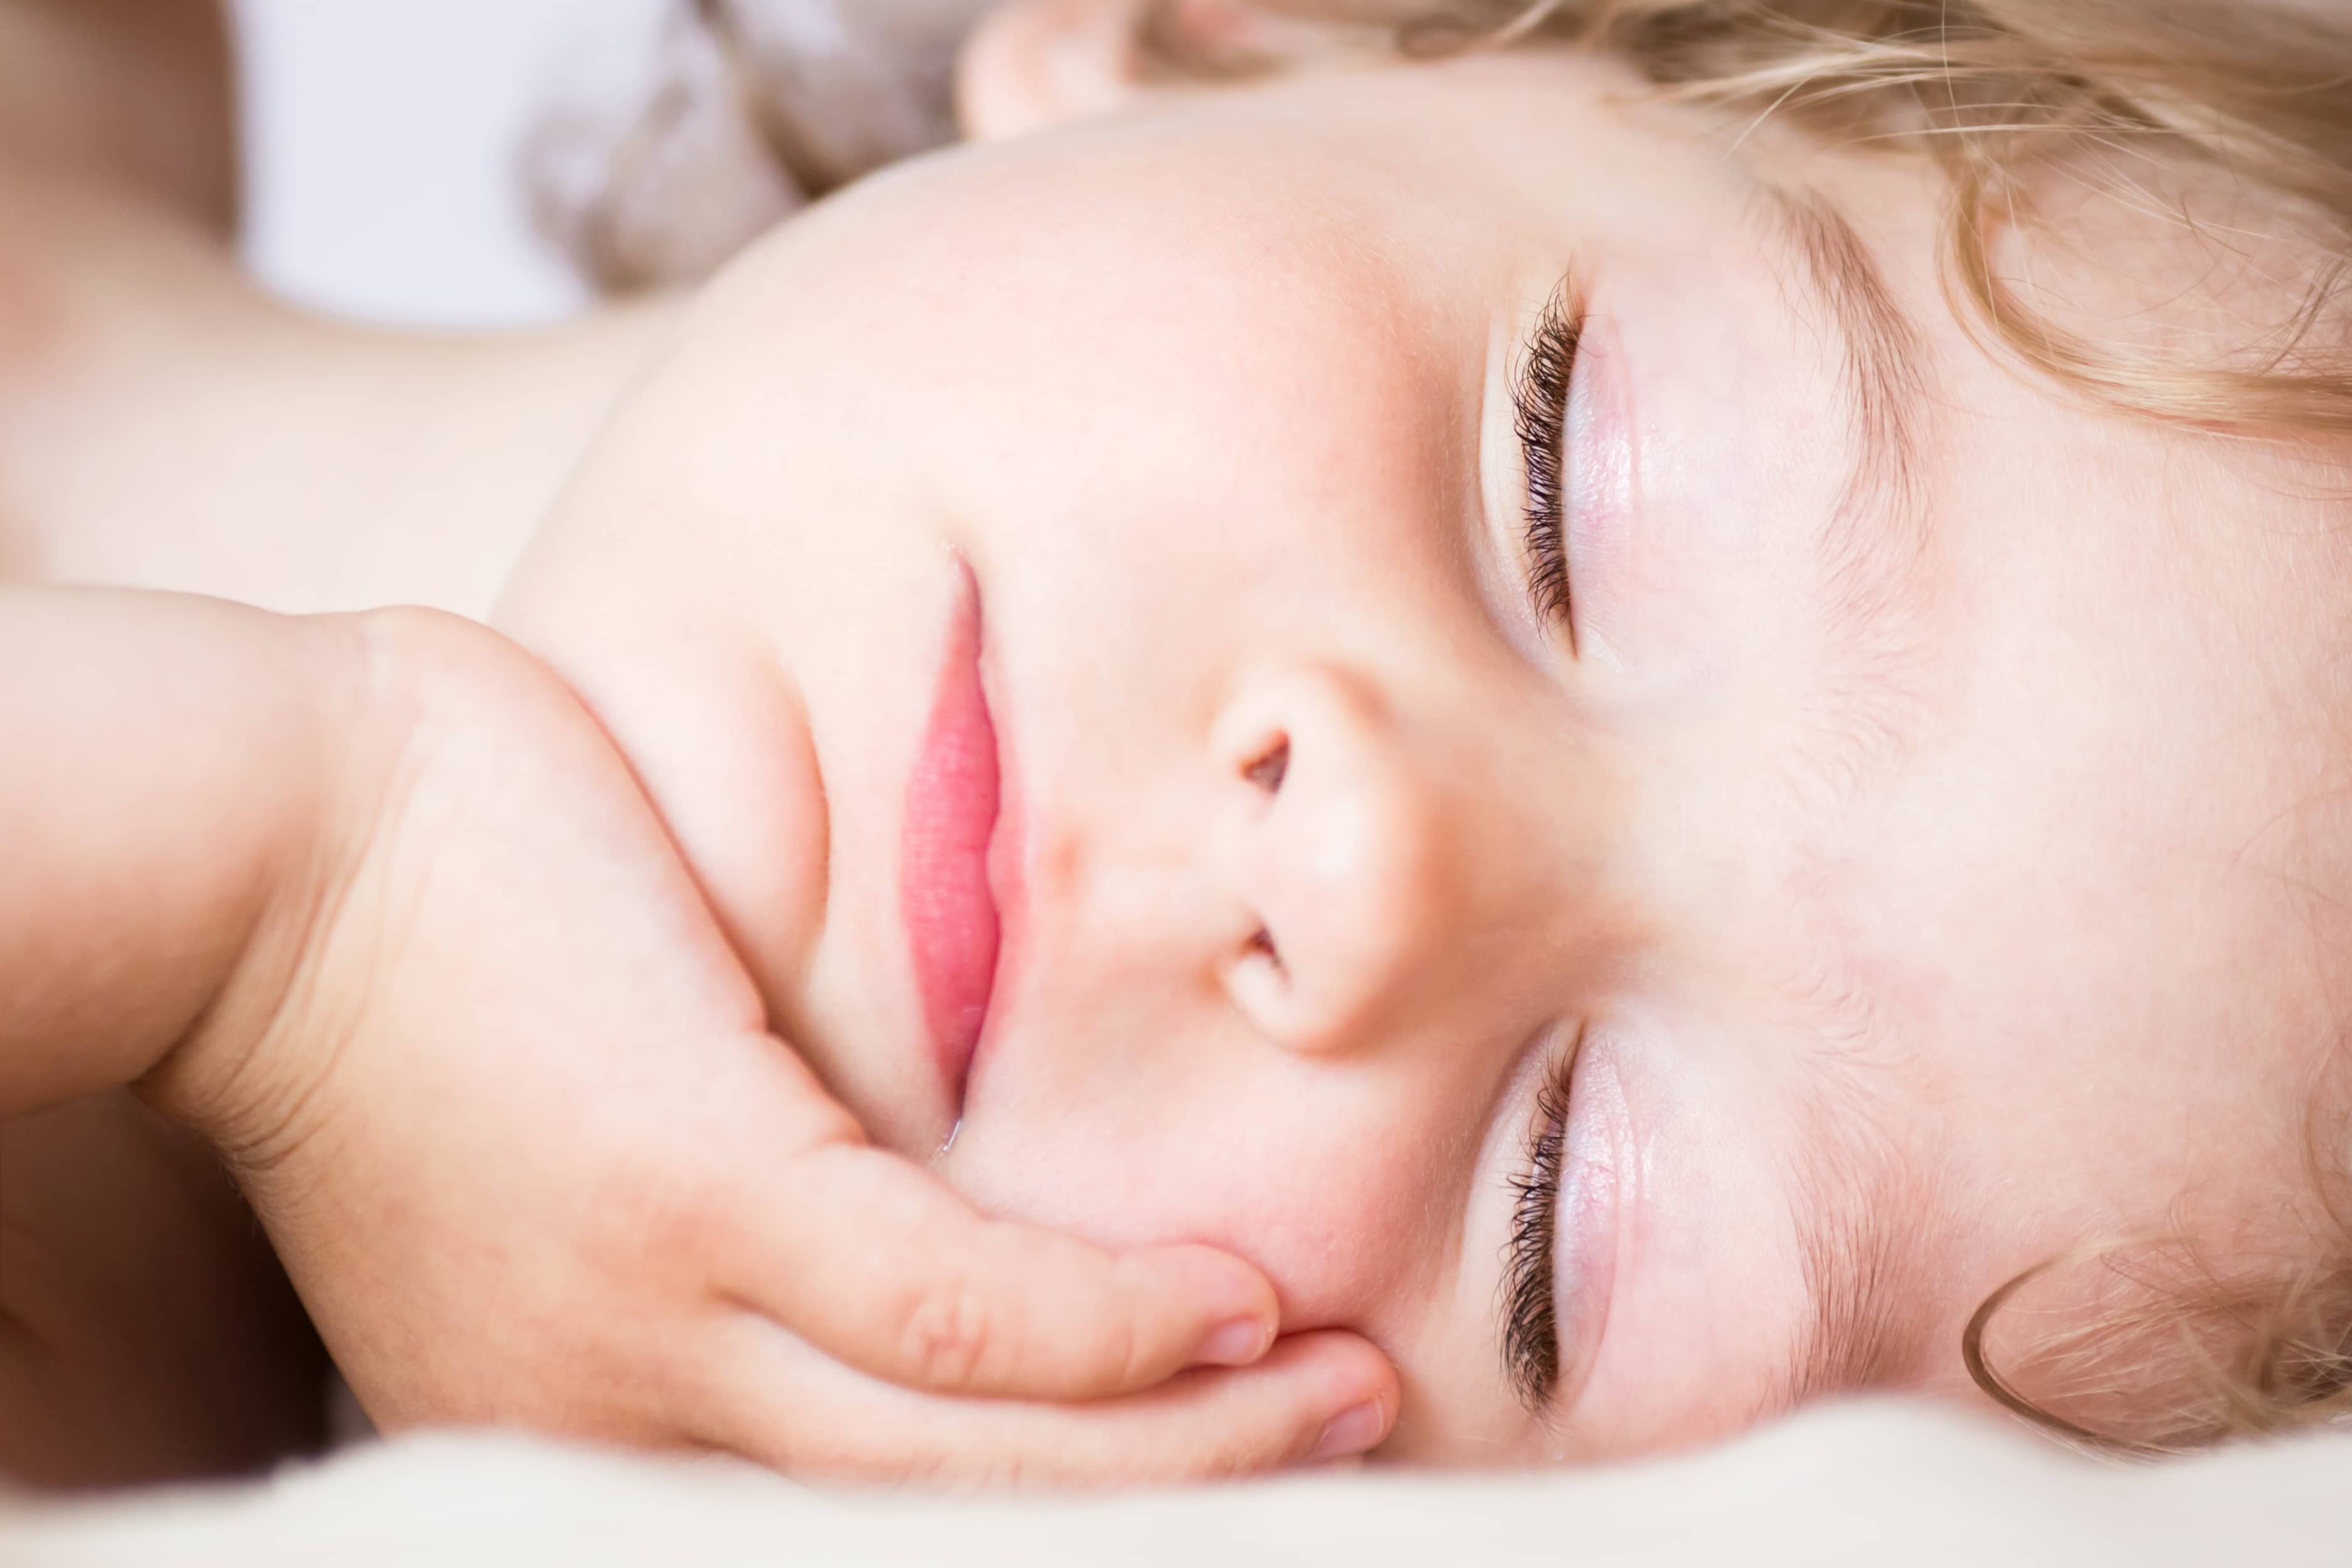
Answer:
(1487, 733)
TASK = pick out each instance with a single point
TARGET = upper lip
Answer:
(945, 897)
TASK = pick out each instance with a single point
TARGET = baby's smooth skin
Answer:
(1895, 829)
(1918, 832)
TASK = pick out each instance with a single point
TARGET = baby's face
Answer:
(1891, 860)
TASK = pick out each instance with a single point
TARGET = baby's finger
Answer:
(1314, 1397)
(874, 1261)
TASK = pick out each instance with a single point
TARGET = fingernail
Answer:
(1238, 1343)
(1351, 1431)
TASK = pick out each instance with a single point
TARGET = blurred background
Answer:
(380, 140)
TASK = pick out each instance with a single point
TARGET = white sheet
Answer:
(1874, 1484)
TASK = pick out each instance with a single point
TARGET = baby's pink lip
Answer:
(944, 897)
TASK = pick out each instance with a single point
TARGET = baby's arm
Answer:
(154, 766)
(165, 760)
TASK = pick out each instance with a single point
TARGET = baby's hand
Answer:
(507, 1104)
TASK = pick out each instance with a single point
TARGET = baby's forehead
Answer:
(2064, 950)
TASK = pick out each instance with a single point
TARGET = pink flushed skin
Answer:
(944, 896)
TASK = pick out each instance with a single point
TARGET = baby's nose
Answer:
(1344, 849)
(1323, 863)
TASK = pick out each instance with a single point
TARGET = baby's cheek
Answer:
(1332, 1201)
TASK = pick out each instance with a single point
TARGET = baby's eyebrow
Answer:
(1858, 1210)
(1878, 530)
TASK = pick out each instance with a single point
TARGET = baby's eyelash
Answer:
(1539, 408)
(1530, 1321)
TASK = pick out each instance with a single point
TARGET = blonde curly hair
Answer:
(1995, 93)
(2254, 99)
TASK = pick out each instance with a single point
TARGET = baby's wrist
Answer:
(169, 754)
(395, 700)
(233, 1074)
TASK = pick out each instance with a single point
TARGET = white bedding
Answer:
(1877, 1483)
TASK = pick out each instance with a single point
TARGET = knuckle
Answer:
(1230, 1455)
(674, 1218)
(838, 1460)
(947, 1336)
(1232, 1444)
(1006, 1469)
(874, 1460)
(1124, 1357)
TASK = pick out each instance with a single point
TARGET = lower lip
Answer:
(944, 897)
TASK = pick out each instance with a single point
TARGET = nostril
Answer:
(1263, 945)
(1267, 772)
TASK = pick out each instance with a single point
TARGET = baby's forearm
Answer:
(163, 758)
